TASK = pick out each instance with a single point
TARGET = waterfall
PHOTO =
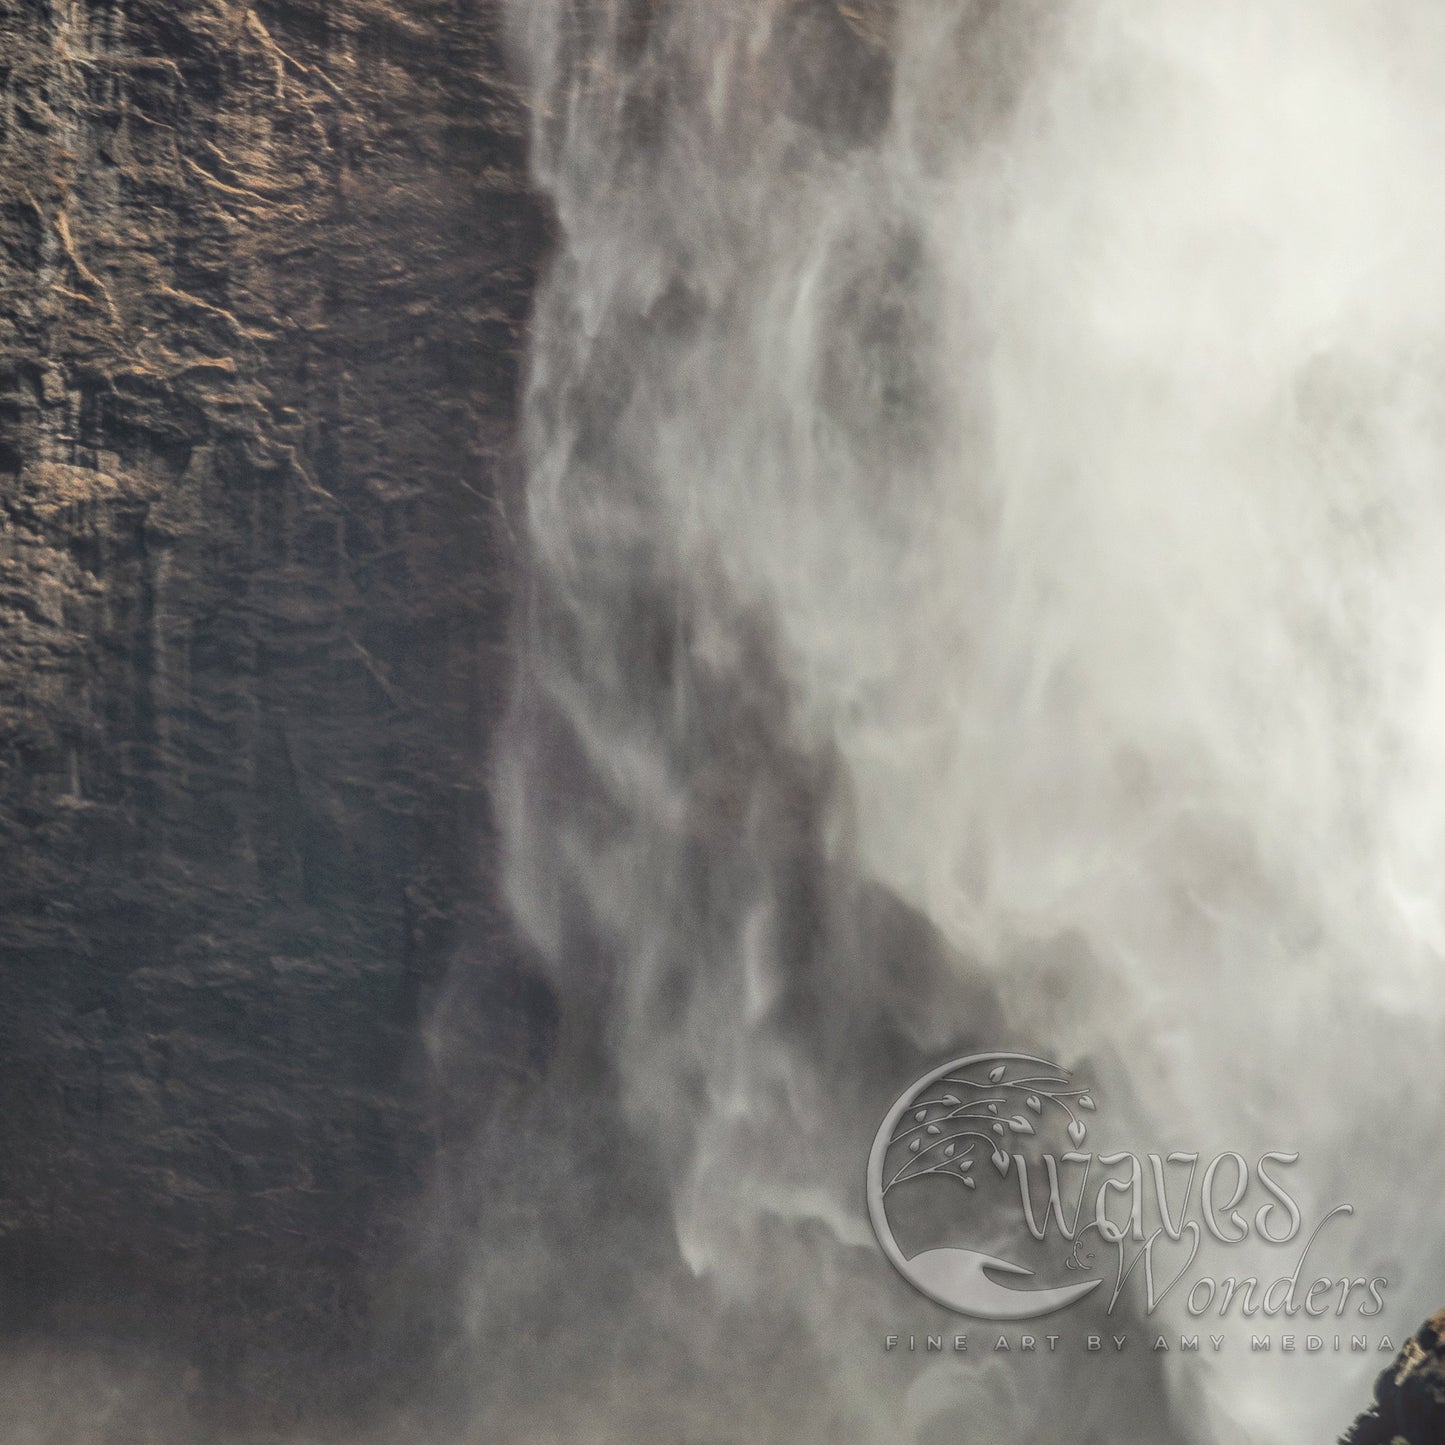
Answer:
(987, 551)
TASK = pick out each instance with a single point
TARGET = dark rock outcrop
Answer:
(1409, 1406)
(263, 269)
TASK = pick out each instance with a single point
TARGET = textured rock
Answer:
(262, 275)
(1409, 1406)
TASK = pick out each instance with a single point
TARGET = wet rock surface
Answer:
(1409, 1406)
(263, 275)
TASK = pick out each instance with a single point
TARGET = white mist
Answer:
(1034, 417)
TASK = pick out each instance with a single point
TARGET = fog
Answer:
(984, 505)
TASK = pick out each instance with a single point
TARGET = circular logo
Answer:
(958, 1122)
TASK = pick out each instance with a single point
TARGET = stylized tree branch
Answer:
(941, 1165)
(1036, 1087)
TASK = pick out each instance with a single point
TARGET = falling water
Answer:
(989, 566)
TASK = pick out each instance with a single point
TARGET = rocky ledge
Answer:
(1409, 1406)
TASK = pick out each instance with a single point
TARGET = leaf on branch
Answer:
(914, 1146)
(1000, 1161)
(972, 1183)
(1033, 1102)
(949, 1152)
(998, 1129)
(921, 1115)
(1086, 1102)
(934, 1129)
(1077, 1131)
(993, 1108)
(995, 1074)
(950, 1099)
(1020, 1125)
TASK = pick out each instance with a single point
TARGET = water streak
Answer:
(989, 568)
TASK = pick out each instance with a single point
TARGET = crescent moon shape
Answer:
(956, 1278)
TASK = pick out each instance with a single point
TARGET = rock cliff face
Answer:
(263, 271)
(262, 275)
(1409, 1406)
